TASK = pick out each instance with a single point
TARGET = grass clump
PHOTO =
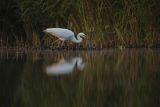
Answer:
(107, 23)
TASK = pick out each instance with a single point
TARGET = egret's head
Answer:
(82, 35)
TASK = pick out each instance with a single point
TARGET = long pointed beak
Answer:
(85, 37)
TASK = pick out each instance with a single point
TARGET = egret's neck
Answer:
(78, 62)
(76, 59)
(77, 40)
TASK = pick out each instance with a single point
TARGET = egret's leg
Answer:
(59, 43)
(62, 43)
(56, 41)
(53, 43)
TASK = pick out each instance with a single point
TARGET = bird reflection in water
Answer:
(65, 66)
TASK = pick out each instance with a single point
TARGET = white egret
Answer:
(65, 66)
(65, 34)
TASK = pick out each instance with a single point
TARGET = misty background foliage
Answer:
(106, 22)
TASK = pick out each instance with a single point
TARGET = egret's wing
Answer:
(56, 34)
(60, 69)
(60, 32)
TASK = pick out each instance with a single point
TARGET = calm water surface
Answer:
(109, 78)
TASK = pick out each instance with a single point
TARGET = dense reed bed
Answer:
(107, 23)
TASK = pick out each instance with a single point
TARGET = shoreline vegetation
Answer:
(19, 53)
(106, 23)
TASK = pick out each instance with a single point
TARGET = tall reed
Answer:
(107, 23)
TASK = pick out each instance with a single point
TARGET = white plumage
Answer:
(65, 66)
(65, 34)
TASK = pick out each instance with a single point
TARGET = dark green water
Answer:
(110, 78)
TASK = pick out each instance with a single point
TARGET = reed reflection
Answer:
(109, 78)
